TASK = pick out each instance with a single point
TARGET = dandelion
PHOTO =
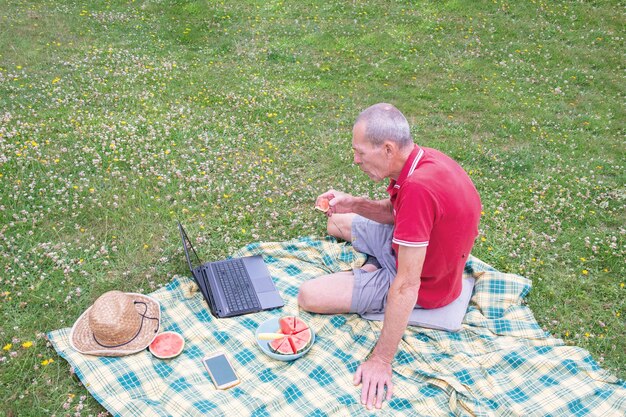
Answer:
(47, 362)
(585, 272)
(26, 345)
(7, 347)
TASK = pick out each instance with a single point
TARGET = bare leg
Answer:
(329, 294)
(340, 225)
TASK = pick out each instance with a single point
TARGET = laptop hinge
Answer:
(210, 292)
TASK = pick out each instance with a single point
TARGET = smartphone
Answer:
(221, 371)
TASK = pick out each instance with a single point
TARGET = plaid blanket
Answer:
(500, 364)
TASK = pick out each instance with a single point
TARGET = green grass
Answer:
(118, 117)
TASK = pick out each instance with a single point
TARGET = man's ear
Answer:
(390, 148)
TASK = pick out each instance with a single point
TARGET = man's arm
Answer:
(380, 211)
(375, 373)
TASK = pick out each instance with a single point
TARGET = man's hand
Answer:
(374, 375)
(339, 202)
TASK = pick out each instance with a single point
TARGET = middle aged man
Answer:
(418, 239)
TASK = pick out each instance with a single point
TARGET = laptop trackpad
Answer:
(263, 284)
(270, 299)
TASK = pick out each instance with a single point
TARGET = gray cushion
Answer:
(448, 318)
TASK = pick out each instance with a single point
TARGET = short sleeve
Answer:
(415, 214)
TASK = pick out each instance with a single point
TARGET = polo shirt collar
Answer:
(409, 167)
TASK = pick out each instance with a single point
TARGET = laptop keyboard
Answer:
(238, 289)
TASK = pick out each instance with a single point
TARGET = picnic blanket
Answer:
(500, 364)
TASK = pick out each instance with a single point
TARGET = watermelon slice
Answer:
(292, 325)
(323, 205)
(299, 326)
(303, 336)
(283, 346)
(297, 336)
(167, 345)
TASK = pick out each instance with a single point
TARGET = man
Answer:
(418, 239)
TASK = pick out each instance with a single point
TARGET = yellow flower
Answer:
(7, 347)
(585, 272)
(47, 362)
(26, 345)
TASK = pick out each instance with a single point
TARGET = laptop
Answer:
(232, 287)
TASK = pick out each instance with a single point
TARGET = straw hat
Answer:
(117, 324)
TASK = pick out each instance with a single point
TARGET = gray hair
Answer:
(385, 122)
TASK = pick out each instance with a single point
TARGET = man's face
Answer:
(370, 158)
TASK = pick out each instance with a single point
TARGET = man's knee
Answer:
(340, 225)
(306, 296)
(331, 228)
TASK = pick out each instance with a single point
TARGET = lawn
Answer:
(119, 117)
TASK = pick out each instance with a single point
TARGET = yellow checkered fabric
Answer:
(500, 364)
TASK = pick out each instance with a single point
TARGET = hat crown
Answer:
(113, 319)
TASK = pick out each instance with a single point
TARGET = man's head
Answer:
(381, 140)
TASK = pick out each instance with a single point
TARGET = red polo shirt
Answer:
(436, 205)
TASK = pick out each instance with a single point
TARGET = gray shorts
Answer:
(369, 294)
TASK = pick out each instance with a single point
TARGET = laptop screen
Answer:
(189, 249)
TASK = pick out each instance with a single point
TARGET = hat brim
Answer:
(82, 340)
